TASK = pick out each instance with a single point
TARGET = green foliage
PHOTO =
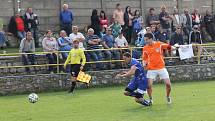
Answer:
(191, 102)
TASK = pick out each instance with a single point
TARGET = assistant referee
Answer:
(77, 60)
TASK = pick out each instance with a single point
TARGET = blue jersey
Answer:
(139, 81)
(139, 68)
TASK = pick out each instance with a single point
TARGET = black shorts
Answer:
(75, 69)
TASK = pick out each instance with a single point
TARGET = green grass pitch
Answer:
(193, 101)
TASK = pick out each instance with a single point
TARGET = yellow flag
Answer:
(82, 77)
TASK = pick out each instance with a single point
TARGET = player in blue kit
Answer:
(139, 83)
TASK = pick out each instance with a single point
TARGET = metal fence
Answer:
(207, 51)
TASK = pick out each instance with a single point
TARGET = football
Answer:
(33, 98)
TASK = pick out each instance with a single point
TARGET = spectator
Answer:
(164, 19)
(50, 44)
(94, 42)
(116, 29)
(64, 43)
(66, 19)
(186, 23)
(152, 18)
(2, 40)
(27, 45)
(109, 42)
(95, 22)
(162, 36)
(121, 42)
(176, 19)
(118, 15)
(103, 20)
(137, 23)
(77, 35)
(31, 24)
(177, 38)
(127, 29)
(16, 26)
(196, 18)
(195, 38)
(208, 21)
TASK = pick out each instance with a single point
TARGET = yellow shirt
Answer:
(75, 56)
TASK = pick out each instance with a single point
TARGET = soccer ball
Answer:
(33, 98)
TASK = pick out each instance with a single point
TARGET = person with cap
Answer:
(77, 60)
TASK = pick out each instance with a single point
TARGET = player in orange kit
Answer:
(155, 65)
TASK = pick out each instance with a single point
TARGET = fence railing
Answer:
(131, 49)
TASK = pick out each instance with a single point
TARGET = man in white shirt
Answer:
(77, 35)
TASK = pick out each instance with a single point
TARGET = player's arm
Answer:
(83, 57)
(144, 58)
(165, 46)
(130, 72)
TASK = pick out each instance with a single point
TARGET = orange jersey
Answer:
(153, 55)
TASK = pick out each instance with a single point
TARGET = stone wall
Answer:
(46, 82)
(48, 10)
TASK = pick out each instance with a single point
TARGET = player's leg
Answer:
(75, 68)
(151, 75)
(164, 75)
(142, 84)
(129, 90)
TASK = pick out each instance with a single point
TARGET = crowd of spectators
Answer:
(125, 28)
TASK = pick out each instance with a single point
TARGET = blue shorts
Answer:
(139, 84)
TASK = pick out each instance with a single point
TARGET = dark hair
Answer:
(127, 54)
(118, 4)
(126, 9)
(103, 13)
(151, 9)
(135, 12)
(149, 35)
(94, 12)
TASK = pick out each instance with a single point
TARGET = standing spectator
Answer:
(196, 18)
(128, 23)
(116, 29)
(94, 42)
(103, 20)
(77, 35)
(66, 19)
(176, 19)
(50, 44)
(164, 19)
(137, 23)
(118, 15)
(208, 21)
(152, 18)
(95, 22)
(16, 26)
(2, 40)
(31, 24)
(109, 42)
(64, 43)
(186, 23)
(27, 45)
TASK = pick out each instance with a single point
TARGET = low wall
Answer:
(47, 82)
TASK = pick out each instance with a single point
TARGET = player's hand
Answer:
(81, 68)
